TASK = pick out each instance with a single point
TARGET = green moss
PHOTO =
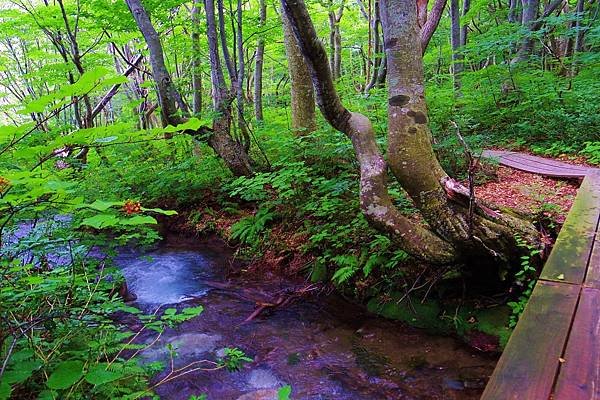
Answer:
(425, 315)
(436, 318)
(493, 321)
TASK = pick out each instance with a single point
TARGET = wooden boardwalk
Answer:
(554, 351)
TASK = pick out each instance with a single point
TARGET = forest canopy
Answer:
(342, 136)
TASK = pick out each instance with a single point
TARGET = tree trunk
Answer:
(460, 229)
(513, 11)
(457, 65)
(335, 41)
(431, 23)
(258, 69)
(382, 73)
(579, 37)
(232, 151)
(165, 89)
(219, 139)
(241, 76)
(464, 29)
(196, 72)
(377, 49)
(528, 17)
(530, 20)
(479, 231)
(302, 93)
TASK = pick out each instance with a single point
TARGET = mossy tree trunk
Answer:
(302, 93)
(459, 229)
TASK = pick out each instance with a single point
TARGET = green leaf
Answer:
(160, 211)
(284, 392)
(66, 374)
(192, 124)
(21, 371)
(138, 220)
(5, 390)
(99, 374)
(101, 221)
(101, 205)
(106, 139)
(343, 274)
(193, 310)
(48, 395)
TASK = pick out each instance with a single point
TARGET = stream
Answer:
(322, 346)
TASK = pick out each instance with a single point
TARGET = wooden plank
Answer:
(579, 377)
(568, 260)
(541, 169)
(592, 278)
(539, 165)
(530, 361)
(550, 162)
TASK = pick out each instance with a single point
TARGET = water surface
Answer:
(323, 346)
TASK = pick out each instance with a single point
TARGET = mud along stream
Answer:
(323, 346)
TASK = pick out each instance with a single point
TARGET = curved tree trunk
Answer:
(302, 93)
(456, 232)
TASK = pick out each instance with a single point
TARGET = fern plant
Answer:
(248, 230)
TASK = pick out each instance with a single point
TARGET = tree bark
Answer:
(513, 11)
(234, 154)
(302, 93)
(259, 59)
(455, 232)
(374, 197)
(241, 76)
(579, 37)
(165, 89)
(528, 17)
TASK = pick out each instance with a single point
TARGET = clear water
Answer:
(324, 347)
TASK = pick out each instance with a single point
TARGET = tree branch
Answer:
(113, 90)
(433, 20)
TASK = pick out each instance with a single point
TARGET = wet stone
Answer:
(262, 394)
(263, 378)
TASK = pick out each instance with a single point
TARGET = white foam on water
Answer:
(165, 277)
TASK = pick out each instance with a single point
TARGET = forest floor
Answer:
(530, 194)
